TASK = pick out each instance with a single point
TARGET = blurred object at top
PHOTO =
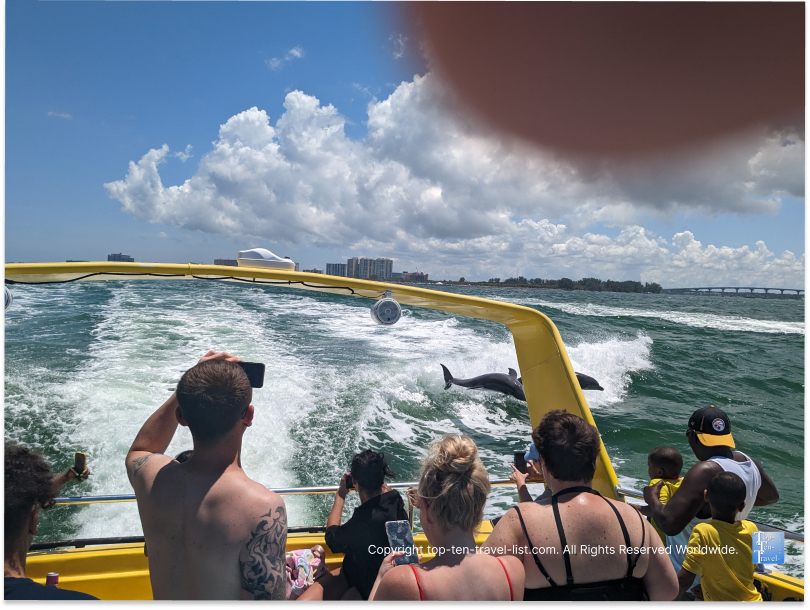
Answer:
(620, 78)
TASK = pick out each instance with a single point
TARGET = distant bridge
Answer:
(740, 291)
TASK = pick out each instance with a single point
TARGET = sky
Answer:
(187, 131)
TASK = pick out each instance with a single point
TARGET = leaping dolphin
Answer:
(588, 383)
(496, 382)
(510, 384)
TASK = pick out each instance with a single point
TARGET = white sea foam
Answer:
(694, 319)
(610, 362)
(138, 356)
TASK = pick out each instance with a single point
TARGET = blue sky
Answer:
(94, 86)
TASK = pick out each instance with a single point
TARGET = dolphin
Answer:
(510, 384)
(496, 382)
(588, 383)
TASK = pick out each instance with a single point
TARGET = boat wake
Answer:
(694, 319)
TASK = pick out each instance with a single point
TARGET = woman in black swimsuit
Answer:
(574, 545)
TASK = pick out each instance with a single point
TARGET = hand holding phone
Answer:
(80, 466)
(401, 539)
(255, 373)
(520, 462)
(346, 485)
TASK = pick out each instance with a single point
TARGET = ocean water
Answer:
(87, 363)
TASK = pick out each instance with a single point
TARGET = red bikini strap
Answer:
(509, 580)
(419, 584)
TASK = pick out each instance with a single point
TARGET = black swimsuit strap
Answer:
(643, 537)
(554, 501)
(631, 563)
(534, 555)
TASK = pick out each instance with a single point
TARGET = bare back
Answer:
(592, 529)
(209, 535)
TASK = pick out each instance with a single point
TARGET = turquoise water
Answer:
(87, 363)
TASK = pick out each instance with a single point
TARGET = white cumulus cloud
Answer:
(429, 187)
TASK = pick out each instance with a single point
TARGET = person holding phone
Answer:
(212, 532)
(539, 534)
(523, 470)
(362, 535)
(29, 487)
(451, 495)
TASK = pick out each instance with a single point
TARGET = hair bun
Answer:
(456, 483)
(456, 454)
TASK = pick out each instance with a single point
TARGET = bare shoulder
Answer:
(398, 584)
(702, 470)
(142, 467)
(515, 569)
(262, 558)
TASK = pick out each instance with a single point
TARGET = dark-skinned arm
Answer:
(684, 504)
(767, 493)
(685, 580)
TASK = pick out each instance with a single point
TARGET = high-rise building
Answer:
(352, 267)
(366, 268)
(383, 267)
(396, 275)
(338, 269)
(298, 266)
(228, 262)
(120, 258)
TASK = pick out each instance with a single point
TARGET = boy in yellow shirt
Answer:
(721, 550)
(664, 463)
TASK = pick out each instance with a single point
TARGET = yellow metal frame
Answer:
(549, 381)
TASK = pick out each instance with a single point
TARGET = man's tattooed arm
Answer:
(138, 463)
(263, 558)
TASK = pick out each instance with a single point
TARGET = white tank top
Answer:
(749, 473)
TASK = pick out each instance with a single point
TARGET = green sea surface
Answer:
(86, 364)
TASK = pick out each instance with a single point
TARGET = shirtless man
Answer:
(212, 532)
(709, 434)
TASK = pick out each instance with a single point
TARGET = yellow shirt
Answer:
(669, 487)
(721, 553)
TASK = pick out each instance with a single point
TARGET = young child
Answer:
(727, 577)
(664, 463)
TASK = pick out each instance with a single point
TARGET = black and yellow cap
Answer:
(712, 426)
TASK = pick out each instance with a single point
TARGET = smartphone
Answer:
(79, 463)
(349, 481)
(520, 462)
(255, 373)
(401, 539)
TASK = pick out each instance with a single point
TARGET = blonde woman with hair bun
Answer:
(452, 491)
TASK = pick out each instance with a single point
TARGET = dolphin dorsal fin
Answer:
(512, 373)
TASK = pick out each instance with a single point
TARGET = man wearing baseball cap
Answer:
(709, 435)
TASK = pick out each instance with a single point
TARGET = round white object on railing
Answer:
(9, 298)
(386, 311)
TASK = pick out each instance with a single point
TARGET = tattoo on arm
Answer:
(263, 558)
(138, 463)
